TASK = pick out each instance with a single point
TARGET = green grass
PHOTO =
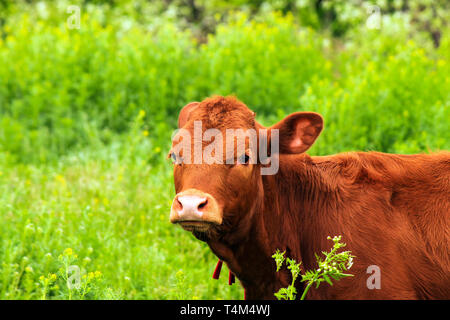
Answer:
(114, 215)
(86, 118)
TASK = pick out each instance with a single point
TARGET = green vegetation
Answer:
(86, 117)
(333, 266)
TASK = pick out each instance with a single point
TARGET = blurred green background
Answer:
(88, 104)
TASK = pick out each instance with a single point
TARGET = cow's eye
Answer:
(175, 158)
(244, 159)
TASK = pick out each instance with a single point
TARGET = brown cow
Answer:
(391, 210)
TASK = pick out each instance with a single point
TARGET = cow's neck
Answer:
(246, 254)
(302, 208)
(285, 212)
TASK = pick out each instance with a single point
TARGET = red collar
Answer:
(231, 276)
(216, 274)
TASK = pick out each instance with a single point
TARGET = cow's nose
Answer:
(194, 205)
(190, 207)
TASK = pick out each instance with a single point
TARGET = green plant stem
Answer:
(305, 291)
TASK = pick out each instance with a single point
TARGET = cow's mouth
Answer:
(197, 226)
(202, 230)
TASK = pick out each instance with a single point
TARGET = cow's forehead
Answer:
(222, 113)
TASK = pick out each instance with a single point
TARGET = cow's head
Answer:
(217, 171)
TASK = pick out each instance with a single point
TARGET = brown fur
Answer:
(391, 210)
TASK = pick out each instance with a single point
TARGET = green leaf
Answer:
(327, 279)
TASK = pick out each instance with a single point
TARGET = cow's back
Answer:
(406, 201)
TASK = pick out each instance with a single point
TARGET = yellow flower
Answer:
(68, 252)
(141, 113)
(179, 274)
(440, 63)
(60, 179)
(98, 274)
(145, 133)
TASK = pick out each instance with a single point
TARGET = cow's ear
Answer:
(298, 131)
(184, 113)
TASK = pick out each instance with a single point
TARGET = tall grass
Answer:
(112, 213)
(63, 89)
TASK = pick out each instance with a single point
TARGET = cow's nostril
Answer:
(179, 205)
(203, 204)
